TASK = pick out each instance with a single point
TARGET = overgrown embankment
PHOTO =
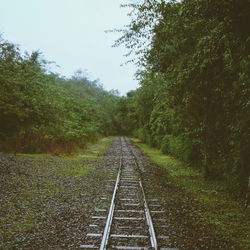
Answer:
(217, 209)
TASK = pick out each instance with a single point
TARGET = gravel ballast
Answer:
(46, 206)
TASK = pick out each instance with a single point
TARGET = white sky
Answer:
(71, 33)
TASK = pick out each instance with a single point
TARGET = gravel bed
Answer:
(41, 208)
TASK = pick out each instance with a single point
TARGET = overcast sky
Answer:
(72, 33)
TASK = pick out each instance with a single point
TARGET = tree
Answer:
(195, 83)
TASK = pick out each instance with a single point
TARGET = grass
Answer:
(227, 216)
(33, 155)
(96, 149)
(92, 151)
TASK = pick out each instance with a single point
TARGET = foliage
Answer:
(43, 112)
(193, 101)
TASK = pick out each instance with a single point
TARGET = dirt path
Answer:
(59, 207)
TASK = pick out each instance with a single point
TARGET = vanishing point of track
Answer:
(127, 223)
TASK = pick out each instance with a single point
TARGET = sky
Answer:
(72, 33)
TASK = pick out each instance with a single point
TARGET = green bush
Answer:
(142, 134)
(43, 112)
(176, 146)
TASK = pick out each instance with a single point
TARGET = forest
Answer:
(193, 100)
(192, 103)
(41, 111)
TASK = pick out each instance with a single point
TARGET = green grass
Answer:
(96, 149)
(227, 216)
(73, 170)
(33, 155)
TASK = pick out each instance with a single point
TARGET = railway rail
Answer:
(129, 221)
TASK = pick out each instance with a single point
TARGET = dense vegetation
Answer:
(43, 112)
(193, 100)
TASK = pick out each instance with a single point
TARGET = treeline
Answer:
(193, 101)
(194, 96)
(43, 112)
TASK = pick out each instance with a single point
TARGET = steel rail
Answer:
(151, 229)
(149, 221)
(107, 228)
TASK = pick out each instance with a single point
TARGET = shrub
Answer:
(176, 146)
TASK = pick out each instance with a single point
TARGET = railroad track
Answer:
(127, 223)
